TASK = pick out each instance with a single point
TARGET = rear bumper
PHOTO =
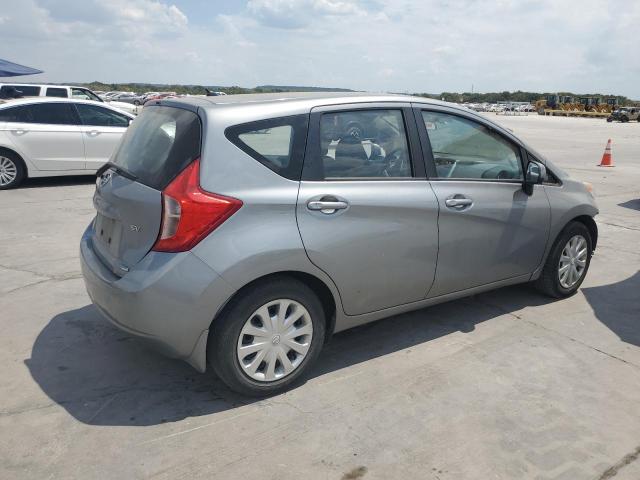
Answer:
(168, 300)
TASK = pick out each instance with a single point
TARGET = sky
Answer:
(431, 46)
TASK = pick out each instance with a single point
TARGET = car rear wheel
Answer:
(12, 171)
(268, 337)
(567, 263)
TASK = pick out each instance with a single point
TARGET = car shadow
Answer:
(103, 376)
(617, 306)
(633, 204)
(58, 181)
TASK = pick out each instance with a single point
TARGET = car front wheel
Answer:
(567, 263)
(268, 337)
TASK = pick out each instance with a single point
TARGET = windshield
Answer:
(84, 94)
(159, 144)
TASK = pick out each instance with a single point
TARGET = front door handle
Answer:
(19, 131)
(458, 202)
(327, 207)
(93, 133)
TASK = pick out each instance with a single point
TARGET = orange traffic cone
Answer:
(607, 157)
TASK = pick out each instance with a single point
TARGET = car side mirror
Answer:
(535, 175)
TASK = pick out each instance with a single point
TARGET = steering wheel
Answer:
(446, 162)
(395, 163)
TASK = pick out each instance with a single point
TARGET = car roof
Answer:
(234, 109)
(294, 102)
(263, 105)
(312, 98)
(12, 102)
(16, 84)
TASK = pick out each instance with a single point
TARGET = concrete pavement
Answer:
(503, 385)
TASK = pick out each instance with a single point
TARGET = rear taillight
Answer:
(189, 213)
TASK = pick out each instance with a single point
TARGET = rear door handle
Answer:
(327, 207)
(458, 202)
(19, 131)
(93, 133)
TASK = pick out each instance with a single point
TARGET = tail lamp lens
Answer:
(190, 213)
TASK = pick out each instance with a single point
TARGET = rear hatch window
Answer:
(158, 145)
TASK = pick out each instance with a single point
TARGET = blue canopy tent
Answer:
(10, 69)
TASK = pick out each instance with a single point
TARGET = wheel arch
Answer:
(319, 287)
(590, 223)
(580, 217)
(5, 149)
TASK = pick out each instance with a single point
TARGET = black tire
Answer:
(20, 171)
(624, 119)
(226, 329)
(549, 281)
(136, 103)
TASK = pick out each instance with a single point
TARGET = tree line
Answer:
(492, 97)
(517, 96)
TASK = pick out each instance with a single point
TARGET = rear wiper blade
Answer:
(121, 171)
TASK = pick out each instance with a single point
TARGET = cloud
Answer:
(380, 45)
(291, 14)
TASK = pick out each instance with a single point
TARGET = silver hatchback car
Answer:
(240, 232)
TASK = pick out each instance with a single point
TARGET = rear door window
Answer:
(363, 144)
(159, 145)
(276, 143)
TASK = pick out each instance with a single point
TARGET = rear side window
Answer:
(9, 91)
(57, 92)
(13, 114)
(276, 143)
(93, 115)
(159, 144)
(47, 113)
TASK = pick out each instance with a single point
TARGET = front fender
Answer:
(568, 202)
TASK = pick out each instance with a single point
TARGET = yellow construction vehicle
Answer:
(555, 102)
(566, 106)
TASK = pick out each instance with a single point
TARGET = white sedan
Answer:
(44, 136)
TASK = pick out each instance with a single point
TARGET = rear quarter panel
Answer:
(7, 143)
(262, 237)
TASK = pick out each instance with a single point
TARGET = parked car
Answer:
(625, 114)
(147, 95)
(112, 93)
(62, 91)
(241, 232)
(44, 137)
(211, 93)
(132, 98)
(160, 96)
